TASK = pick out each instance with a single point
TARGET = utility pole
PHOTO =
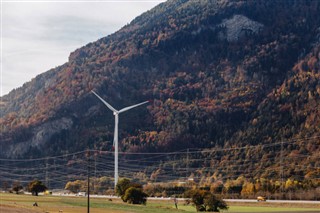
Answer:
(187, 161)
(95, 171)
(281, 167)
(47, 179)
(88, 181)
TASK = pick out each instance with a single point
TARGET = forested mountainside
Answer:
(220, 75)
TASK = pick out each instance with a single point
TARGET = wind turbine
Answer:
(115, 138)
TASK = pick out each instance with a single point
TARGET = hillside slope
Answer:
(219, 73)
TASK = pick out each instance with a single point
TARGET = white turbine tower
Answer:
(115, 138)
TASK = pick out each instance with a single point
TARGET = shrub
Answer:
(205, 200)
(135, 195)
(122, 186)
(16, 187)
(131, 192)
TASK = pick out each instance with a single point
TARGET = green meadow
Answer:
(24, 203)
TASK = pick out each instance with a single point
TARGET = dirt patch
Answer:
(21, 209)
(13, 209)
(284, 212)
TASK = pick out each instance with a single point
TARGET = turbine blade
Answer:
(108, 105)
(133, 106)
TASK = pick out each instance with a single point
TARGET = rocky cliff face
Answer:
(238, 27)
(39, 137)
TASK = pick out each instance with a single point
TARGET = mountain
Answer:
(241, 76)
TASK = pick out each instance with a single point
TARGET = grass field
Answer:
(270, 209)
(10, 203)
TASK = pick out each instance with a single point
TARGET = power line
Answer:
(173, 166)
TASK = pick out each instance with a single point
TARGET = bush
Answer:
(16, 187)
(214, 204)
(205, 200)
(135, 195)
(131, 192)
(122, 186)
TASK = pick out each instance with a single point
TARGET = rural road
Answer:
(228, 200)
(273, 201)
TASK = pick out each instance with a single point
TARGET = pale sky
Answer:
(39, 35)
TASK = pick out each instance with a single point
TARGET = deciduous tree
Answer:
(35, 187)
(135, 195)
(16, 187)
(205, 200)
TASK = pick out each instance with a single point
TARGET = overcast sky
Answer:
(39, 35)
